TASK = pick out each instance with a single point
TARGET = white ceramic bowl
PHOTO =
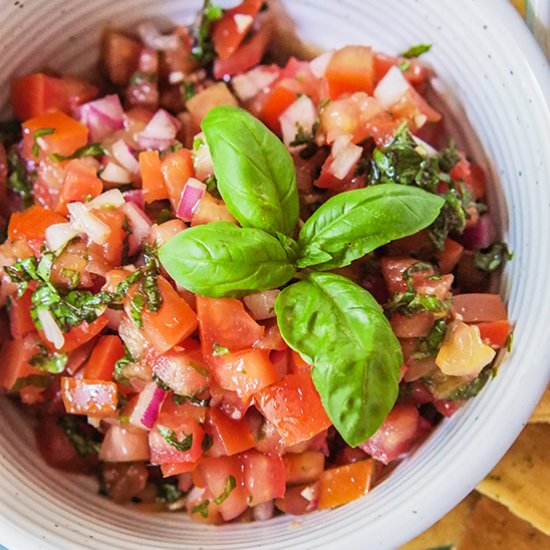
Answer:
(484, 54)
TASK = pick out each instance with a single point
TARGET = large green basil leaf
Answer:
(255, 172)
(340, 328)
(355, 223)
(219, 259)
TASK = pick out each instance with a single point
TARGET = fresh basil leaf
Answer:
(219, 259)
(415, 51)
(340, 328)
(53, 363)
(354, 223)
(255, 172)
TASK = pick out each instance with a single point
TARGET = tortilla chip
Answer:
(448, 531)
(542, 412)
(521, 480)
(493, 527)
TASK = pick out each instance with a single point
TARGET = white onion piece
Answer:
(102, 116)
(345, 161)
(249, 84)
(160, 132)
(124, 445)
(110, 199)
(301, 114)
(340, 143)
(191, 195)
(263, 511)
(262, 304)
(202, 159)
(152, 38)
(319, 65)
(243, 22)
(138, 220)
(148, 405)
(51, 329)
(86, 222)
(424, 148)
(59, 234)
(391, 88)
(123, 155)
(114, 173)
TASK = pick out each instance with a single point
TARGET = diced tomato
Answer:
(161, 234)
(123, 482)
(124, 444)
(247, 55)
(83, 333)
(172, 323)
(107, 352)
(235, 435)
(264, 476)
(343, 484)
(92, 398)
(211, 209)
(447, 407)
(177, 168)
(183, 430)
(281, 97)
(245, 372)
(416, 73)
(154, 188)
(21, 322)
(477, 308)
(304, 467)
(495, 333)
(32, 223)
(213, 96)
(230, 31)
(351, 69)
(229, 402)
(396, 435)
(417, 325)
(224, 323)
(382, 128)
(183, 370)
(299, 500)
(80, 183)
(349, 455)
(414, 109)
(169, 470)
(67, 135)
(113, 247)
(58, 451)
(298, 365)
(449, 257)
(120, 56)
(472, 175)
(272, 339)
(294, 397)
(37, 94)
(15, 356)
(225, 480)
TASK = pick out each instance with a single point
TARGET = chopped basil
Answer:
(180, 399)
(34, 380)
(429, 346)
(219, 350)
(492, 258)
(53, 363)
(72, 276)
(411, 302)
(212, 186)
(207, 443)
(230, 484)
(188, 90)
(201, 508)
(41, 132)
(404, 65)
(120, 366)
(163, 216)
(473, 387)
(168, 491)
(140, 76)
(203, 48)
(415, 51)
(509, 342)
(171, 437)
(74, 429)
(90, 150)
(306, 138)
(19, 181)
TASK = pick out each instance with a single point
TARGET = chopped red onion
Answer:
(124, 156)
(140, 223)
(148, 405)
(50, 328)
(262, 304)
(86, 222)
(301, 114)
(391, 88)
(480, 236)
(102, 116)
(160, 132)
(114, 173)
(59, 234)
(135, 196)
(191, 195)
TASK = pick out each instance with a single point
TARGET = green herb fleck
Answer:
(415, 51)
(90, 150)
(53, 363)
(492, 258)
(218, 350)
(168, 491)
(207, 443)
(83, 444)
(203, 48)
(230, 484)
(171, 437)
(404, 65)
(34, 380)
(188, 90)
(201, 508)
(41, 132)
(19, 181)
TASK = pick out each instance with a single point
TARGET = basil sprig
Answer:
(255, 172)
(357, 222)
(339, 327)
(219, 259)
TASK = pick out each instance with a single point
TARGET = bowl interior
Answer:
(485, 59)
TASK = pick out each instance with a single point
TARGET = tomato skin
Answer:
(68, 135)
(154, 188)
(472, 175)
(164, 453)
(216, 472)
(294, 397)
(264, 476)
(294, 502)
(92, 398)
(495, 333)
(124, 444)
(31, 224)
(82, 333)
(120, 57)
(101, 364)
(478, 307)
(113, 247)
(234, 435)
(15, 355)
(225, 322)
(169, 470)
(124, 481)
(396, 435)
(417, 325)
(449, 257)
(177, 168)
(245, 372)
(57, 450)
(281, 97)
(351, 69)
(343, 484)
(80, 183)
(21, 322)
(305, 467)
(226, 35)
(213, 96)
